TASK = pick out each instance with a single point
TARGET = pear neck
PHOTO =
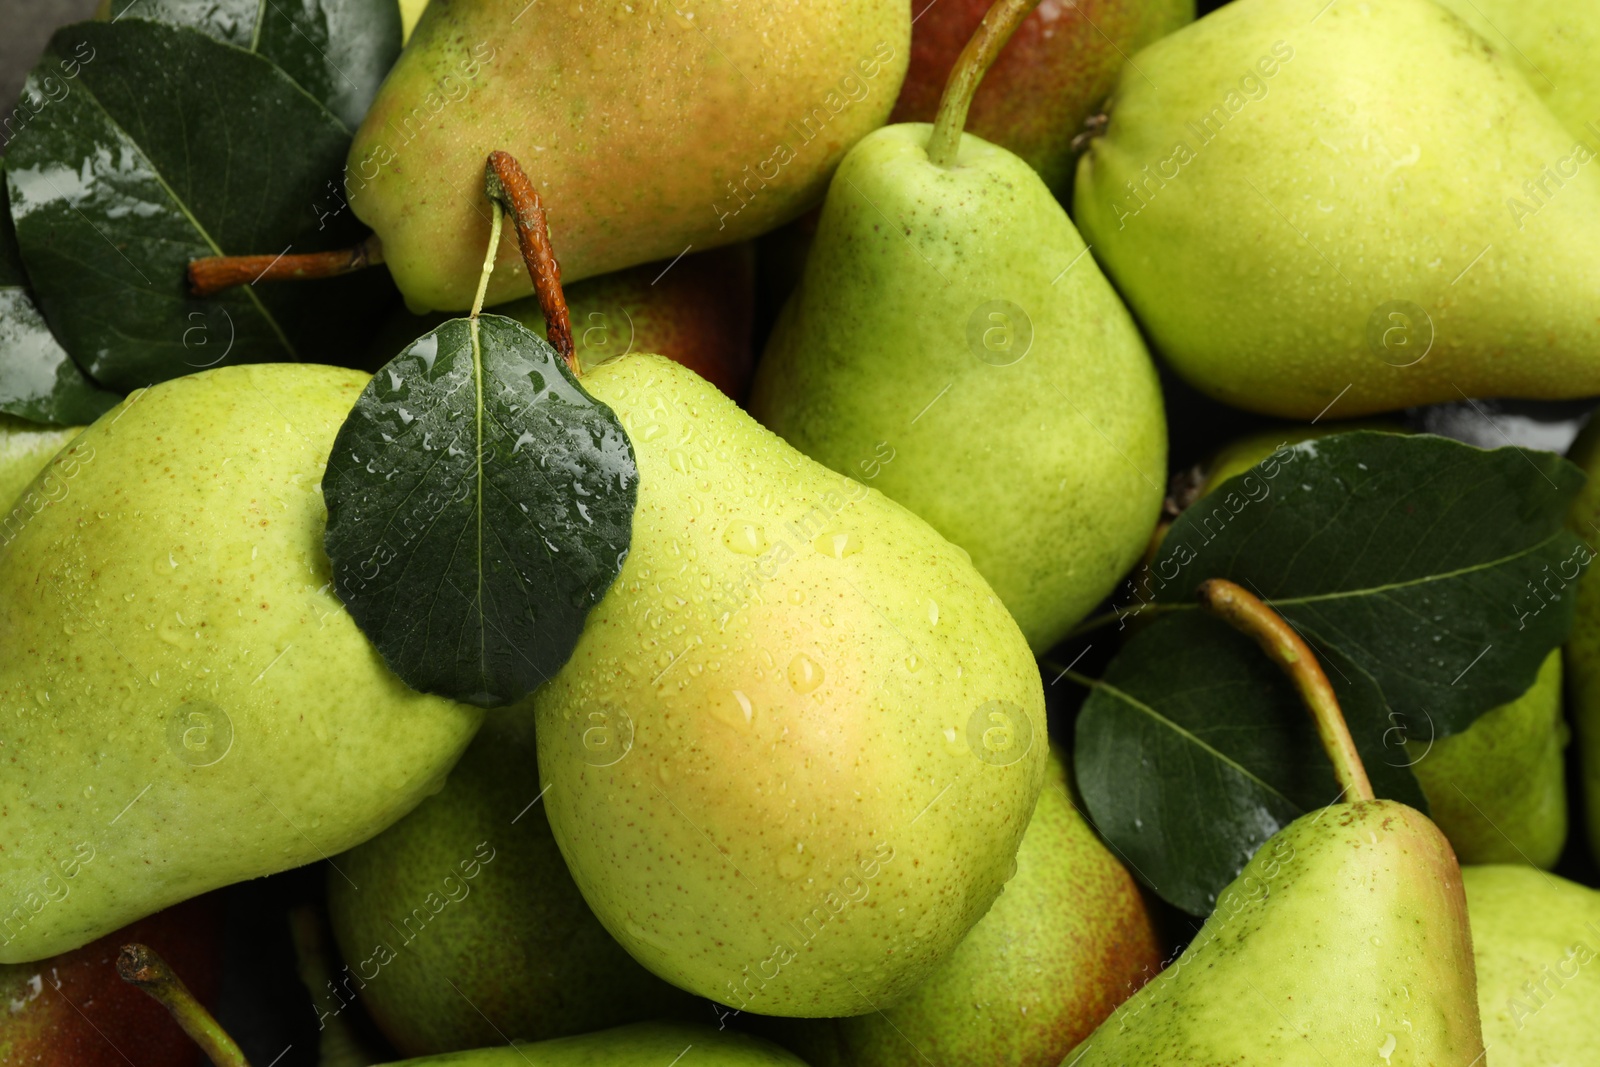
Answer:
(998, 24)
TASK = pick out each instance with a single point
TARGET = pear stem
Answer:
(509, 186)
(213, 274)
(993, 32)
(141, 966)
(1248, 614)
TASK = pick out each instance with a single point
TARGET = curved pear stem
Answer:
(213, 274)
(993, 32)
(141, 966)
(509, 186)
(1249, 615)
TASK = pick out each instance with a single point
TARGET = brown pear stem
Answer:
(998, 24)
(213, 274)
(1248, 614)
(141, 966)
(508, 184)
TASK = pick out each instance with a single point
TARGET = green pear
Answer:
(648, 128)
(1054, 73)
(1582, 654)
(184, 702)
(1535, 937)
(1553, 43)
(25, 449)
(1068, 940)
(1343, 941)
(639, 1045)
(1498, 789)
(794, 752)
(469, 891)
(953, 345)
(1319, 207)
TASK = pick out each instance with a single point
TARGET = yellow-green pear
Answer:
(184, 702)
(953, 344)
(1582, 654)
(1344, 940)
(792, 757)
(1535, 937)
(1068, 940)
(647, 128)
(410, 12)
(1320, 208)
(639, 1045)
(1554, 44)
(469, 891)
(25, 448)
(1498, 789)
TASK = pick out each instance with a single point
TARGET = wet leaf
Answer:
(336, 50)
(479, 504)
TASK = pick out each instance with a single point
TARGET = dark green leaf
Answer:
(473, 520)
(1194, 749)
(156, 145)
(337, 50)
(38, 380)
(1441, 570)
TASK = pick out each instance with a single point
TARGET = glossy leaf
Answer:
(1194, 749)
(479, 504)
(1441, 570)
(38, 380)
(336, 50)
(160, 145)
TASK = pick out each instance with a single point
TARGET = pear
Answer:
(1054, 73)
(953, 345)
(25, 449)
(184, 702)
(1068, 940)
(1498, 789)
(469, 891)
(1582, 652)
(1535, 937)
(1553, 43)
(648, 128)
(1344, 940)
(792, 757)
(639, 1045)
(1317, 207)
(410, 13)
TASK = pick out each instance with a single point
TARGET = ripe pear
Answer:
(184, 702)
(1582, 654)
(1318, 207)
(639, 1045)
(1344, 940)
(648, 128)
(793, 755)
(1553, 43)
(953, 345)
(470, 891)
(1057, 69)
(1068, 940)
(25, 449)
(1498, 789)
(72, 1010)
(1535, 937)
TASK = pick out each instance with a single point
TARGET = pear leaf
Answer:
(38, 380)
(479, 504)
(1194, 749)
(1441, 570)
(141, 146)
(336, 50)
